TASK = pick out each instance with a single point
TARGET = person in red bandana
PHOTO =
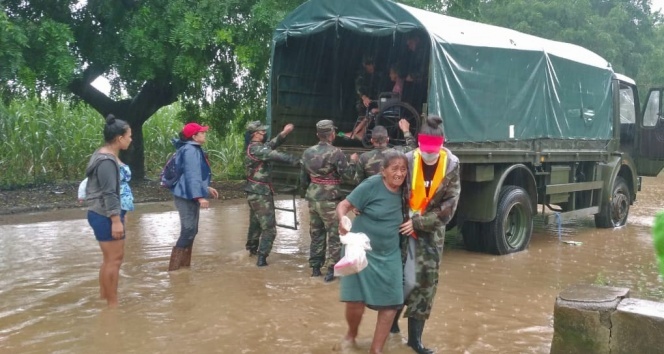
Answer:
(435, 187)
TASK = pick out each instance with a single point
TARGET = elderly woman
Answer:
(379, 286)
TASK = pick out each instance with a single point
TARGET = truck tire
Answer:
(614, 214)
(512, 228)
(474, 236)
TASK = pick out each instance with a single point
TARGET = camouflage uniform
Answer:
(257, 166)
(323, 168)
(371, 162)
(430, 230)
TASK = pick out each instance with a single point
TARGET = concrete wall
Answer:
(598, 319)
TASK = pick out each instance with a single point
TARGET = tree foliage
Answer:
(625, 32)
(213, 55)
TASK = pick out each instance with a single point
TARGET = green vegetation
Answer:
(212, 57)
(643, 281)
(44, 143)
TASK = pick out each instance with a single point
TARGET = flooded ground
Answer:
(225, 304)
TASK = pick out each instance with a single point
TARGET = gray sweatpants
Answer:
(189, 211)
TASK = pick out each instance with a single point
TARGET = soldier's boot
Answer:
(395, 323)
(329, 277)
(176, 258)
(415, 329)
(186, 259)
(315, 272)
(261, 261)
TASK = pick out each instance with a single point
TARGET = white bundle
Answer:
(355, 255)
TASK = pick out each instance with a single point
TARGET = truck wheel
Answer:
(614, 213)
(512, 228)
(474, 235)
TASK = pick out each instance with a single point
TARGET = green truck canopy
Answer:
(488, 83)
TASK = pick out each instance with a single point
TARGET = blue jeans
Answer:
(101, 226)
(189, 211)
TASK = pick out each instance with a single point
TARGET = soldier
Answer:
(371, 162)
(257, 166)
(434, 192)
(323, 168)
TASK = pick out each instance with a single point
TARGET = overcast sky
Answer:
(657, 5)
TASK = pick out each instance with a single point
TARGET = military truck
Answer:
(540, 127)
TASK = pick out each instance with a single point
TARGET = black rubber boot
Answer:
(415, 329)
(261, 261)
(395, 323)
(329, 277)
(315, 272)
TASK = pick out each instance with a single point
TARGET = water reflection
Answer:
(225, 304)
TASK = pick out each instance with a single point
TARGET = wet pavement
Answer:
(225, 304)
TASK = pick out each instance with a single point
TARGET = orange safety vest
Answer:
(419, 198)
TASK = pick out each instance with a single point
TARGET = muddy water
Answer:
(225, 304)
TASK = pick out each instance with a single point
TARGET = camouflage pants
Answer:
(324, 232)
(262, 223)
(427, 264)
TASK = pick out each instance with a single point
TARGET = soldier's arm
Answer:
(411, 143)
(282, 157)
(304, 179)
(345, 169)
(442, 214)
(276, 141)
(359, 175)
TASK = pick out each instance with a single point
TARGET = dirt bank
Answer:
(64, 195)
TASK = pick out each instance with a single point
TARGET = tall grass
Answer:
(46, 143)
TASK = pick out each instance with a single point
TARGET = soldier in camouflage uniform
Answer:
(435, 187)
(257, 166)
(324, 167)
(371, 162)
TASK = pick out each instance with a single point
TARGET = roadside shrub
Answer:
(49, 143)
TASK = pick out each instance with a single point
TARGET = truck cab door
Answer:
(650, 160)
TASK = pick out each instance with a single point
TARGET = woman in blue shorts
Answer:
(105, 214)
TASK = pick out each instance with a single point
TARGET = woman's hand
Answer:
(204, 203)
(213, 192)
(117, 229)
(342, 229)
(407, 227)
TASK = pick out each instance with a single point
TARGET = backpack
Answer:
(170, 174)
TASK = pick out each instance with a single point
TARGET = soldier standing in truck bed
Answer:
(324, 167)
(260, 154)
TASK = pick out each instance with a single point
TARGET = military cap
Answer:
(325, 126)
(255, 126)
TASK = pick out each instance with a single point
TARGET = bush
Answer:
(48, 143)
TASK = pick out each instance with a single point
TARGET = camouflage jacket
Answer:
(370, 85)
(324, 168)
(371, 162)
(258, 164)
(430, 224)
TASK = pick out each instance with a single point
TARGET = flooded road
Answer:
(50, 303)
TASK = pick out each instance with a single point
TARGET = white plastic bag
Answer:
(81, 189)
(355, 255)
